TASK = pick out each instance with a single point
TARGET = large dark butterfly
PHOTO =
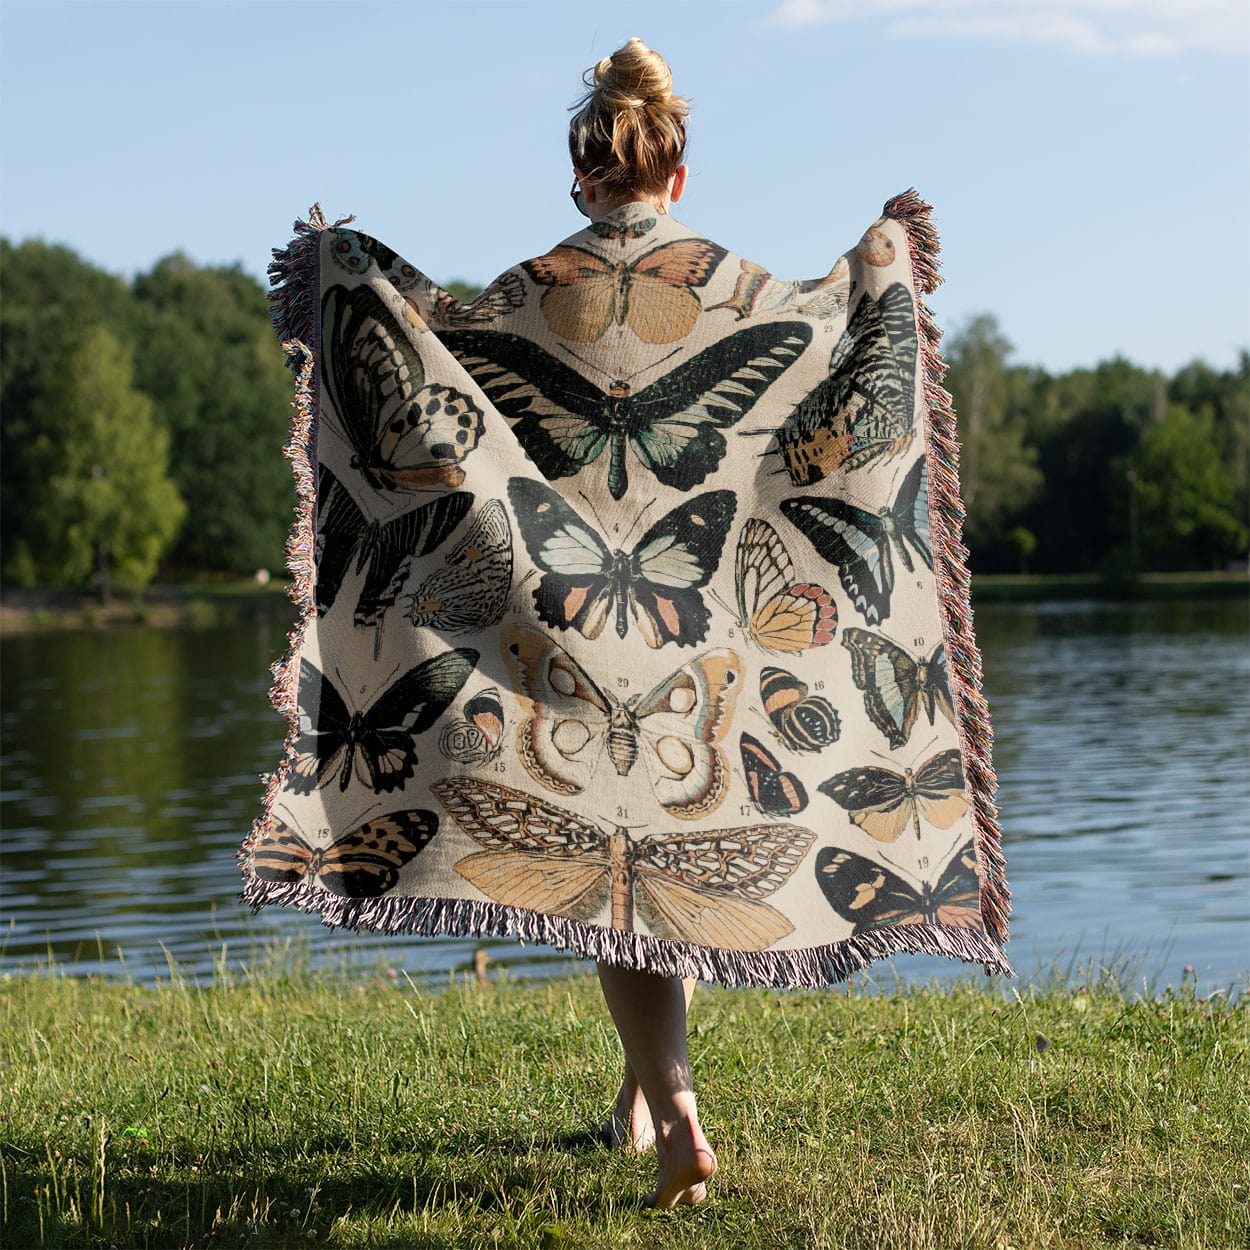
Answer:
(858, 542)
(705, 887)
(896, 685)
(386, 547)
(865, 408)
(584, 585)
(883, 803)
(405, 434)
(379, 742)
(872, 896)
(572, 723)
(653, 294)
(673, 426)
(362, 864)
(773, 790)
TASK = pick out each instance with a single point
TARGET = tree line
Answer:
(142, 423)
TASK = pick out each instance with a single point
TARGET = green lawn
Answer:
(291, 1110)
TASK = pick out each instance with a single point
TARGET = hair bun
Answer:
(633, 77)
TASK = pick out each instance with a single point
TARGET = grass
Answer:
(287, 1109)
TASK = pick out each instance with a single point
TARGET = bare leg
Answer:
(629, 1125)
(650, 1015)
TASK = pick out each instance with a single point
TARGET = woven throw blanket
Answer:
(635, 619)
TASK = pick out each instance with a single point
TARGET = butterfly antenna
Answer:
(641, 513)
(594, 511)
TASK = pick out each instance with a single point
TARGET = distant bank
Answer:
(214, 603)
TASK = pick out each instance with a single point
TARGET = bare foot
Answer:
(629, 1126)
(686, 1165)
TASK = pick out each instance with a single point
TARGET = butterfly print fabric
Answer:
(634, 617)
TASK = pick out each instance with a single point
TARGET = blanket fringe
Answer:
(806, 968)
(951, 568)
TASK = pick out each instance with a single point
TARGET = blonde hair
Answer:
(629, 133)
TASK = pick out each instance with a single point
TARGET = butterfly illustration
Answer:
(378, 742)
(477, 738)
(357, 253)
(363, 864)
(623, 233)
(654, 294)
(470, 590)
(505, 295)
(673, 426)
(774, 791)
(872, 896)
(405, 434)
(704, 887)
(778, 612)
(883, 803)
(755, 288)
(386, 548)
(865, 408)
(584, 585)
(895, 685)
(803, 721)
(858, 542)
(571, 723)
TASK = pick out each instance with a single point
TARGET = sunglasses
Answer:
(576, 196)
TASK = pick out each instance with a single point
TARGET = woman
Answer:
(572, 560)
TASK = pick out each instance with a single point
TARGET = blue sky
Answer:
(1088, 160)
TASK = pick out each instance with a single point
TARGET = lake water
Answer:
(130, 762)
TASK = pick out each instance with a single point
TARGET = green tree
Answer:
(106, 507)
(1186, 495)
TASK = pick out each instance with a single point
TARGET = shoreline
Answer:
(200, 605)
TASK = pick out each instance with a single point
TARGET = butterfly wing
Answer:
(855, 542)
(780, 614)
(660, 303)
(562, 739)
(339, 526)
(366, 863)
(868, 894)
(910, 515)
(675, 557)
(674, 425)
(575, 589)
(582, 299)
(877, 799)
(940, 789)
(935, 686)
(281, 855)
(323, 739)
(803, 721)
(505, 295)
(405, 435)
(956, 898)
(707, 887)
(774, 791)
(560, 415)
(538, 856)
(889, 678)
(408, 707)
(682, 721)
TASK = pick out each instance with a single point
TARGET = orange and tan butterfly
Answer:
(883, 803)
(704, 887)
(654, 295)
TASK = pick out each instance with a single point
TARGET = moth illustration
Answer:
(883, 803)
(505, 295)
(872, 896)
(362, 864)
(357, 253)
(774, 791)
(572, 723)
(405, 434)
(865, 408)
(386, 548)
(705, 887)
(378, 742)
(803, 721)
(476, 738)
(584, 585)
(470, 591)
(896, 685)
(654, 294)
(622, 233)
(858, 542)
(673, 426)
(777, 611)
(828, 296)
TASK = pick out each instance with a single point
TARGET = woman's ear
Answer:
(678, 185)
(588, 186)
